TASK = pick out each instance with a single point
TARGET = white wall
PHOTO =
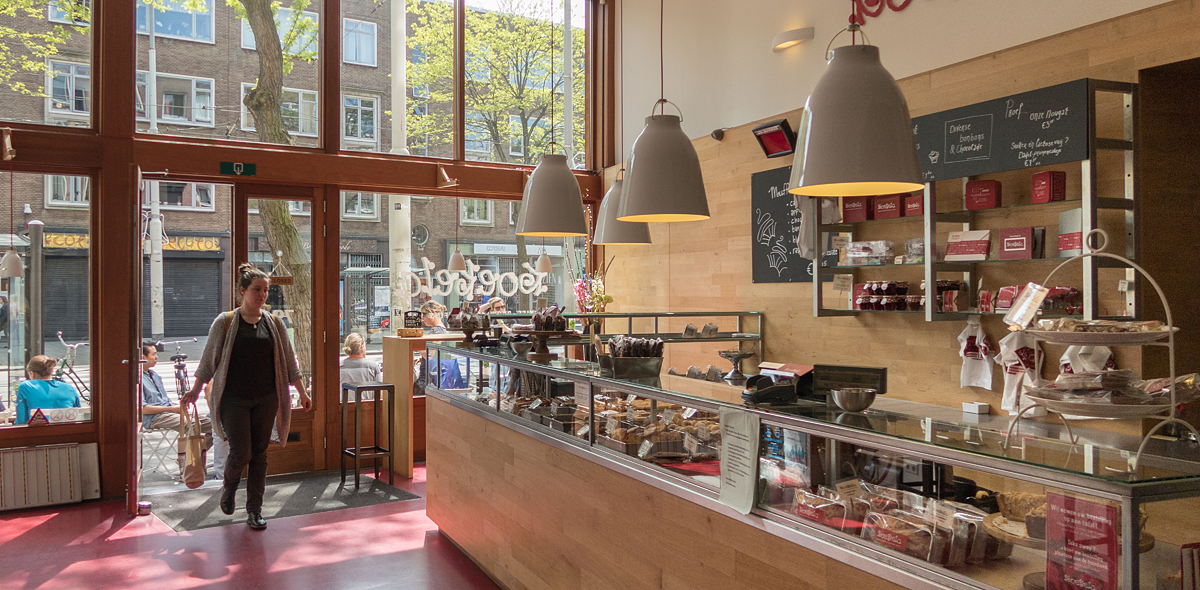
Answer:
(721, 72)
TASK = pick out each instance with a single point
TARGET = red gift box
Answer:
(887, 207)
(1050, 185)
(1007, 296)
(857, 209)
(982, 194)
(914, 205)
(1016, 243)
(987, 301)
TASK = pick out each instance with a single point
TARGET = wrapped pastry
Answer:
(821, 509)
(981, 545)
(908, 534)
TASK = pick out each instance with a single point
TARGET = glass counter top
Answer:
(1093, 454)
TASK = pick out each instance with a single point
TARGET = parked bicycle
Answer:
(182, 381)
(66, 369)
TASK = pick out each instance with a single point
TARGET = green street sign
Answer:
(238, 169)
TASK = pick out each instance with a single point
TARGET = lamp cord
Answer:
(552, 84)
(662, 83)
(621, 50)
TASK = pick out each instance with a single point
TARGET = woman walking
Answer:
(250, 362)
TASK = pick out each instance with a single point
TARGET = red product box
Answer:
(982, 194)
(887, 206)
(914, 205)
(987, 301)
(1050, 185)
(1008, 295)
(1016, 243)
(859, 291)
(857, 209)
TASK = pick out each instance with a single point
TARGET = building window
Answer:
(179, 195)
(185, 100)
(478, 138)
(358, 113)
(358, 42)
(68, 191)
(360, 206)
(299, 111)
(178, 21)
(477, 66)
(365, 260)
(516, 137)
(71, 12)
(303, 208)
(70, 88)
(514, 210)
(302, 32)
(476, 212)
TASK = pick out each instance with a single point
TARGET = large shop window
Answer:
(177, 20)
(32, 320)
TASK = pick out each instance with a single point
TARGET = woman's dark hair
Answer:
(41, 365)
(248, 273)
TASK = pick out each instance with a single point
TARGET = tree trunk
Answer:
(294, 262)
(264, 103)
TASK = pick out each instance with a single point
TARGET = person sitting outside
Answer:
(355, 368)
(431, 317)
(158, 412)
(493, 306)
(40, 390)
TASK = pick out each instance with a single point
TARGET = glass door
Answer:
(274, 230)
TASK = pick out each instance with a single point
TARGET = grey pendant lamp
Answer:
(543, 262)
(664, 183)
(552, 205)
(855, 137)
(611, 231)
(457, 262)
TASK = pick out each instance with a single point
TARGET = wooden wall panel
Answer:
(706, 265)
(533, 516)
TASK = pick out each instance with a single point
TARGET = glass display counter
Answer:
(915, 487)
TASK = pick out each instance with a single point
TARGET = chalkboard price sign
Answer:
(1039, 128)
(776, 222)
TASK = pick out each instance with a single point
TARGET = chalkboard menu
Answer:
(1038, 128)
(775, 223)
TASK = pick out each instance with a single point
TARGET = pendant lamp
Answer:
(10, 265)
(856, 136)
(612, 231)
(552, 205)
(543, 263)
(664, 183)
(457, 262)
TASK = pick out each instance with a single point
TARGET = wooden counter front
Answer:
(535, 516)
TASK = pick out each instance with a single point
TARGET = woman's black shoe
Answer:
(227, 498)
(256, 521)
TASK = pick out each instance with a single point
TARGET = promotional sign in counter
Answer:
(1081, 544)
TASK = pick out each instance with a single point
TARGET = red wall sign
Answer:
(1081, 544)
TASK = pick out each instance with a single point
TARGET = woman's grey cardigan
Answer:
(214, 366)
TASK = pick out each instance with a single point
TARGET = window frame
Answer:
(49, 203)
(212, 191)
(141, 78)
(316, 102)
(359, 216)
(212, 26)
(462, 213)
(373, 141)
(72, 77)
(374, 42)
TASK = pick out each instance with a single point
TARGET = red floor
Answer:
(96, 546)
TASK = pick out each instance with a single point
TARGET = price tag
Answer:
(703, 433)
(631, 397)
(688, 413)
(537, 403)
(898, 260)
(611, 424)
(849, 489)
(840, 242)
(582, 395)
(691, 444)
(938, 513)
(583, 432)
(843, 282)
(644, 450)
(668, 415)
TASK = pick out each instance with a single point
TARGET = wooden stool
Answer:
(375, 451)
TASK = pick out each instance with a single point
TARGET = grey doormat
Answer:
(289, 495)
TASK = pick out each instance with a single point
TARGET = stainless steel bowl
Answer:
(521, 347)
(854, 399)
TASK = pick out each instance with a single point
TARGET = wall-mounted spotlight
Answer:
(718, 134)
(791, 38)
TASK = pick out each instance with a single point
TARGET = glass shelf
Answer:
(888, 220)
(921, 311)
(1070, 203)
(849, 267)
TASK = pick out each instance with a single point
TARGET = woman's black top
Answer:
(252, 362)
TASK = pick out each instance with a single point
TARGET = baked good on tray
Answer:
(1018, 505)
